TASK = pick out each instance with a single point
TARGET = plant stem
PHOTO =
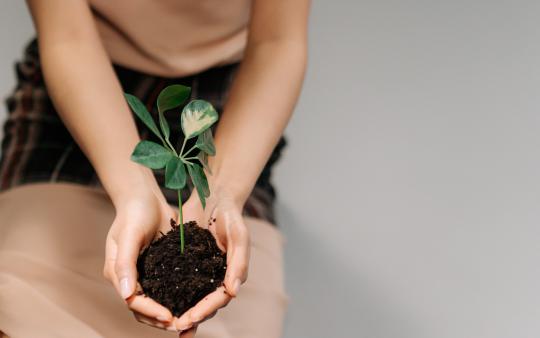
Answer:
(185, 161)
(171, 147)
(181, 221)
(190, 149)
(183, 146)
(167, 144)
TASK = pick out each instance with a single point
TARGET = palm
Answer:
(134, 227)
(223, 218)
(146, 218)
(193, 211)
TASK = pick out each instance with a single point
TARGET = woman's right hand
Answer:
(139, 217)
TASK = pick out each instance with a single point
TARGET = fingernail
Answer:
(236, 287)
(124, 288)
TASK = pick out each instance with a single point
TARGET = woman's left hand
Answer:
(223, 217)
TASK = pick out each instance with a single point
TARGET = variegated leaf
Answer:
(197, 116)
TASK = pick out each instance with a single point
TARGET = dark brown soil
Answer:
(178, 281)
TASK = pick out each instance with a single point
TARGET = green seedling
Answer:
(196, 119)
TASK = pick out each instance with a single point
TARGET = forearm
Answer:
(260, 104)
(91, 105)
(88, 98)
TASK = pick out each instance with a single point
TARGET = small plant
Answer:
(196, 119)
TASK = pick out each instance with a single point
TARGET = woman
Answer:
(65, 183)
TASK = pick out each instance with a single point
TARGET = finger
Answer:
(209, 304)
(108, 271)
(149, 308)
(219, 236)
(204, 309)
(143, 305)
(189, 333)
(154, 323)
(111, 250)
(237, 257)
(125, 268)
(212, 315)
(184, 323)
(110, 259)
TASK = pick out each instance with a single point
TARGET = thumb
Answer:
(125, 268)
(237, 256)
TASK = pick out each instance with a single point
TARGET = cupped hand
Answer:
(143, 215)
(138, 219)
(223, 217)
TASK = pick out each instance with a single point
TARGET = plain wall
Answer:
(410, 190)
(15, 30)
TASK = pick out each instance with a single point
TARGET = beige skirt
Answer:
(52, 244)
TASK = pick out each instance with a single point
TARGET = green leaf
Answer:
(172, 96)
(203, 158)
(164, 125)
(142, 113)
(151, 155)
(175, 174)
(205, 142)
(199, 181)
(197, 116)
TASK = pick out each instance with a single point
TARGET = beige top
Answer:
(173, 37)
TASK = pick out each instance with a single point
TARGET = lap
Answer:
(51, 255)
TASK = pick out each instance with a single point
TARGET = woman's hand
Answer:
(223, 217)
(139, 217)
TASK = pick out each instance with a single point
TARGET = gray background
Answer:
(410, 190)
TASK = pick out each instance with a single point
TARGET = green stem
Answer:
(171, 147)
(181, 221)
(191, 158)
(167, 144)
(190, 149)
(183, 146)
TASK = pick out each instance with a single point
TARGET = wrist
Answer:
(232, 175)
(136, 183)
(229, 189)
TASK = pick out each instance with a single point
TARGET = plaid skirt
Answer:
(37, 147)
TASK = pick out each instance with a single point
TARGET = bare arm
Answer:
(89, 99)
(87, 95)
(260, 104)
(263, 95)
(85, 91)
